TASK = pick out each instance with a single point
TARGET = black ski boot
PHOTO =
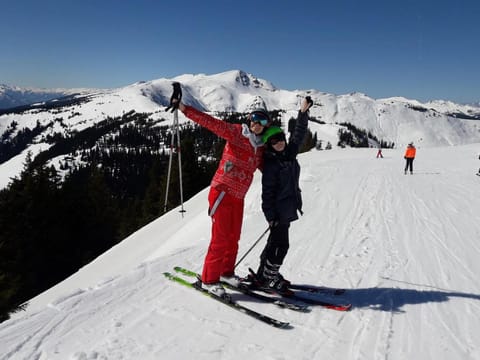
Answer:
(269, 279)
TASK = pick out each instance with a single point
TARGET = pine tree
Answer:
(152, 206)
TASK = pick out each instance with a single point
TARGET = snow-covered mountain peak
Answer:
(397, 120)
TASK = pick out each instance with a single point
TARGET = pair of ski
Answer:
(299, 303)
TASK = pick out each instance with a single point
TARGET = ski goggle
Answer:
(275, 139)
(259, 118)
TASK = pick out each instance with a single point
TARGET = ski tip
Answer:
(285, 325)
(346, 307)
(280, 324)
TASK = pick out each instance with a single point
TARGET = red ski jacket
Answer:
(242, 155)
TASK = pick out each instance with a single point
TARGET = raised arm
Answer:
(219, 127)
(300, 127)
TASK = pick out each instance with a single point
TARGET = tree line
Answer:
(355, 137)
(54, 220)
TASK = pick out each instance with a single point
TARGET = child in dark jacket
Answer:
(281, 197)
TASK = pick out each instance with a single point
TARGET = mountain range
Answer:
(54, 114)
(16, 96)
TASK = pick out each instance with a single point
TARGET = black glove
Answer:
(309, 101)
(177, 95)
(306, 104)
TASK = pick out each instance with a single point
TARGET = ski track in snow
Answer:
(404, 246)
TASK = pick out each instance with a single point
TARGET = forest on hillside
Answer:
(111, 182)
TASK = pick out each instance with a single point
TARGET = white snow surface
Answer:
(404, 246)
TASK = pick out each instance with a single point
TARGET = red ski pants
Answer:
(226, 212)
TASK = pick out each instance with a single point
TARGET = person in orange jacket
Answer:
(409, 156)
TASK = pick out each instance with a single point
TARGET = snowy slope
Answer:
(405, 246)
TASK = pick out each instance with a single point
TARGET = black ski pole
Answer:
(251, 248)
(174, 105)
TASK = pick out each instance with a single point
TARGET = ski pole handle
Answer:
(176, 97)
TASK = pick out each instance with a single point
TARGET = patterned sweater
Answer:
(242, 155)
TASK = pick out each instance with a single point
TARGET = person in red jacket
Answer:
(409, 156)
(242, 155)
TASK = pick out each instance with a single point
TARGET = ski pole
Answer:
(251, 248)
(172, 142)
(179, 152)
(174, 102)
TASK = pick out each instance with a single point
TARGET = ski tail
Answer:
(304, 292)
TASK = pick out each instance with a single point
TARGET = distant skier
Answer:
(281, 197)
(409, 157)
(379, 153)
(478, 169)
(242, 155)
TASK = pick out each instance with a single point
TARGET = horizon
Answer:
(382, 50)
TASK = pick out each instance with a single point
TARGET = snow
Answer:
(404, 246)
(13, 167)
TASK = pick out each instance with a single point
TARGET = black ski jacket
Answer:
(281, 194)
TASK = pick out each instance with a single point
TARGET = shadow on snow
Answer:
(391, 299)
(394, 299)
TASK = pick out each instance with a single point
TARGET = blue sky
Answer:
(421, 49)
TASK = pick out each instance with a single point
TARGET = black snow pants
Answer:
(409, 164)
(277, 245)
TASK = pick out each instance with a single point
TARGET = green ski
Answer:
(229, 302)
(297, 306)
